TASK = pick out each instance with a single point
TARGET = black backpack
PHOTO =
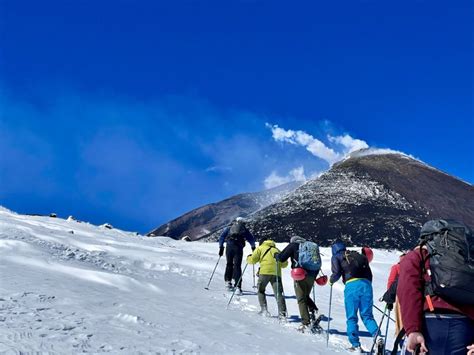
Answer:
(450, 246)
(355, 265)
(391, 294)
(237, 233)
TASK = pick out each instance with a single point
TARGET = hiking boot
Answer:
(228, 286)
(264, 312)
(282, 317)
(312, 316)
(239, 291)
(356, 349)
(303, 328)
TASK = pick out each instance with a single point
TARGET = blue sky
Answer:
(134, 112)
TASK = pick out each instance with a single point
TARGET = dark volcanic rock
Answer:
(204, 220)
(376, 200)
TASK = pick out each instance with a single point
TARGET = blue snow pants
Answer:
(358, 297)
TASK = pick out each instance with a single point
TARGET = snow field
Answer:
(100, 290)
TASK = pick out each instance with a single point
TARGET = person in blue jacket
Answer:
(355, 271)
(234, 236)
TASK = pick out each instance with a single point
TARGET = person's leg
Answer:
(448, 335)
(461, 334)
(238, 266)
(279, 294)
(309, 282)
(301, 296)
(366, 306)
(311, 305)
(435, 332)
(351, 303)
(261, 286)
(229, 267)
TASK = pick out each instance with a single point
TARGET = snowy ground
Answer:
(101, 290)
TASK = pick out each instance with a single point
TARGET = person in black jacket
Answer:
(234, 236)
(355, 271)
(303, 288)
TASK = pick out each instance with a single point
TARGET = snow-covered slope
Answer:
(70, 287)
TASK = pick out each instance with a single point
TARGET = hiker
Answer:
(436, 290)
(304, 274)
(269, 272)
(390, 295)
(358, 294)
(234, 236)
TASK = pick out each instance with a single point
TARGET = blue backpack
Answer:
(309, 257)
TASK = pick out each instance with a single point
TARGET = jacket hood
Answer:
(338, 247)
(269, 243)
(297, 239)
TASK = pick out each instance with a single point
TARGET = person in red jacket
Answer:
(445, 329)
(394, 273)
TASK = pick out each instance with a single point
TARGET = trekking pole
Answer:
(378, 331)
(253, 271)
(212, 275)
(386, 331)
(378, 309)
(277, 289)
(237, 284)
(329, 316)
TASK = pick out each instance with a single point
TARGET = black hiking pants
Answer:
(233, 269)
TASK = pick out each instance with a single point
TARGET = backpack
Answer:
(309, 257)
(356, 265)
(237, 233)
(450, 246)
(391, 294)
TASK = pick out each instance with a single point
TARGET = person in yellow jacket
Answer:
(269, 272)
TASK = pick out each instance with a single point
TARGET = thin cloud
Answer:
(218, 169)
(351, 144)
(315, 146)
(274, 180)
(301, 138)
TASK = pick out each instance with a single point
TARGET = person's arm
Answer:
(250, 238)
(393, 275)
(409, 292)
(255, 256)
(284, 264)
(223, 236)
(336, 270)
(286, 253)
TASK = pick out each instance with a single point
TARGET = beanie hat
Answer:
(297, 239)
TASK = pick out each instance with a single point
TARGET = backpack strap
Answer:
(427, 288)
(266, 252)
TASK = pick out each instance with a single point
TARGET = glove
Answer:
(277, 256)
(253, 248)
(248, 256)
(390, 306)
(331, 283)
(221, 251)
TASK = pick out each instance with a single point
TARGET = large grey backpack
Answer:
(450, 247)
